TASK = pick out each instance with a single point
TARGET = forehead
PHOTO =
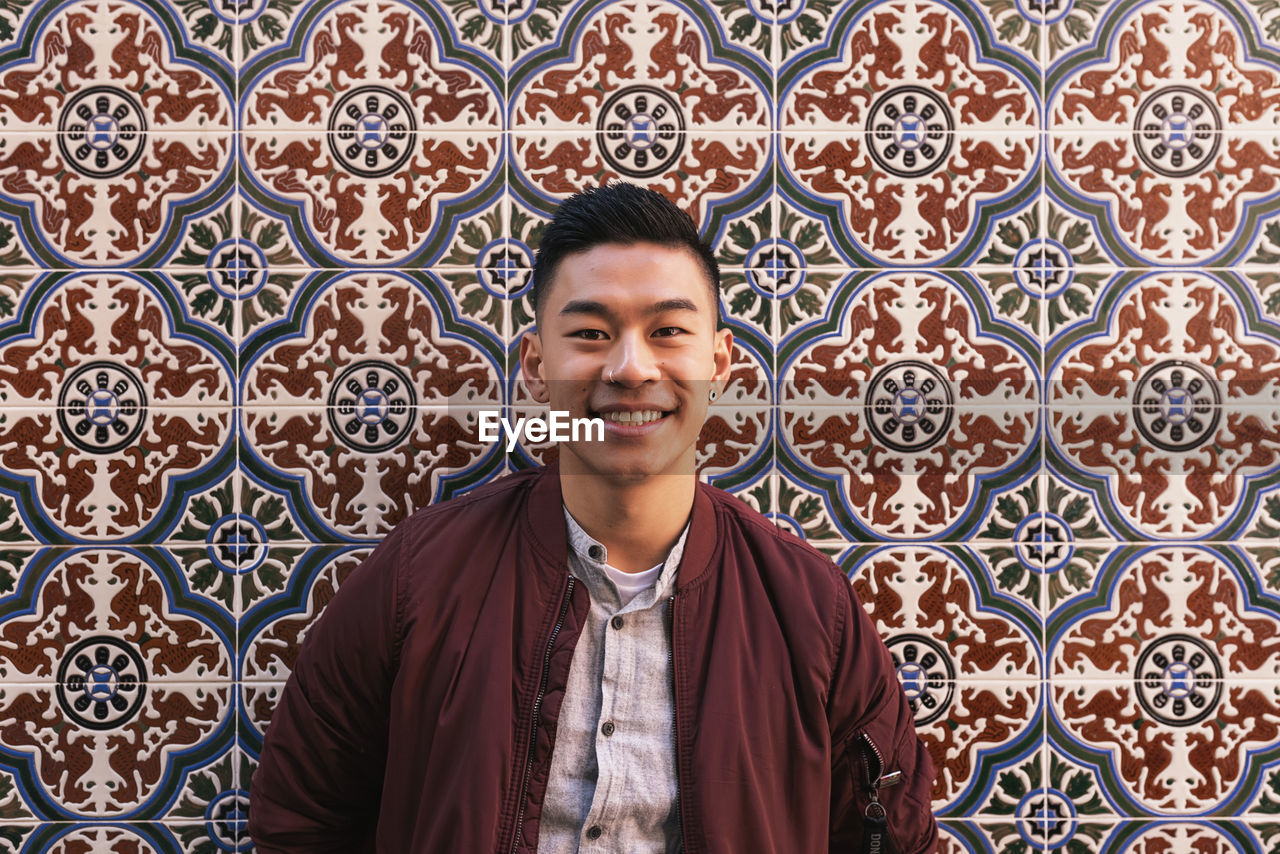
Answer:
(640, 272)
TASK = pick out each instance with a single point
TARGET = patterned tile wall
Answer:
(1004, 277)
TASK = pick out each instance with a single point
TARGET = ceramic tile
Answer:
(263, 263)
(238, 267)
(1167, 758)
(1190, 42)
(989, 733)
(87, 752)
(114, 131)
(1155, 336)
(920, 338)
(622, 61)
(1201, 204)
(287, 601)
(125, 341)
(389, 205)
(116, 616)
(111, 473)
(931, 210)
(365, 71)
(353, 472)
(1141, 837)
(166, 837)
(712, 176)
(392, 333)
(1155, 478)
(933, 604)
(1169, 603)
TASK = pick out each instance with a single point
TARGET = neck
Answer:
(638, 523)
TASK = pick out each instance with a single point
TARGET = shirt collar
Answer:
(592, 553)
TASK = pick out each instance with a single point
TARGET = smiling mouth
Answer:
(643, 416)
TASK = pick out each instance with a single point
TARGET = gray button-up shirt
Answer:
(612, 786)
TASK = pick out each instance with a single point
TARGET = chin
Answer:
(616, 468)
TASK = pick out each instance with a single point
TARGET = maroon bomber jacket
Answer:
(421, 714)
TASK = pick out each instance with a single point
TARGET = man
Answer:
(602, 655)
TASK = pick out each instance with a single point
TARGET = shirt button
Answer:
(617, 622)
(607, 729)
(596, 552)
(595, 831)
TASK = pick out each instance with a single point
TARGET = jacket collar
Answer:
(545, 514)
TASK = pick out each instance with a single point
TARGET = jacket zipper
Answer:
(872, 782)
(675, 714)
(537, 708)
(876, 838)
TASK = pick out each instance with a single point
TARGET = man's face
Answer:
(628, 334)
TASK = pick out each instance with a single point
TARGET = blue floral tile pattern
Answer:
(1003, 283)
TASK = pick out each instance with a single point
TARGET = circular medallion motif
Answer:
(371, 131)
(1176, 405)
(237, 544)
(1043, 268)
(225, 818)
(371, 406)
(640, 131)
(1177, 131)
(910, 131)
(926, 673)
(1046, 819)
(908, 406)
(102, 131)
(101, 682)
(775, 268)
(237, 269)
(102, 407)
(1178, 680)
(504, 268)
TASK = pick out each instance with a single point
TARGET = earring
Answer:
(712, 395)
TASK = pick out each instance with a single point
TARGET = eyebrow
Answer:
(586, 306)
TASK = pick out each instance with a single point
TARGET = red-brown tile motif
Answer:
(107, 131)
(1174, 135)
(368, 402)
(972, 671)
(90, 600)
(1172, 399)
(1168, 676)
(642, 96)
(909, 132)
(109, 406)
(908, 403)
(371, 132)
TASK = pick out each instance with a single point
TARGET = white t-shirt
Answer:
(630, 584)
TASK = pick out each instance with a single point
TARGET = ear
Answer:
(722, 359)
(531, 366)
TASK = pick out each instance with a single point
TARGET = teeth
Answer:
(644, 416)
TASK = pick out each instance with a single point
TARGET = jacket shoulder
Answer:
(439, 538)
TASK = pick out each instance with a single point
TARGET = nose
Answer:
(631, 362)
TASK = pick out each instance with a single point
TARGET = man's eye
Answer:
(589, 334)
(668, 331)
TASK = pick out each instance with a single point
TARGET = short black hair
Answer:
(618, 212)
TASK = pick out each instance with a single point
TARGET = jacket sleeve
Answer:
(318, 784)
(872, 725)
